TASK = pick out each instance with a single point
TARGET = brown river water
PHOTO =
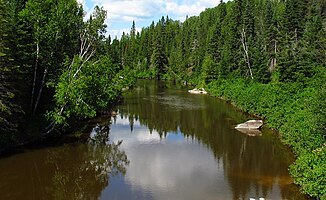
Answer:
(163, 143)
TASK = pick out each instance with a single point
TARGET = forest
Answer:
(55, 68)
(268, 57)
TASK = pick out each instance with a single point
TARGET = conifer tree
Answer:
(158, 59)
(9, 108)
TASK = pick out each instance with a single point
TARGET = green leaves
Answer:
(298, 112)
(96, 85)
(309, 171)
(82, 94)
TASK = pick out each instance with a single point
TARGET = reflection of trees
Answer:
(72, 171)
(258, 163)
(82, 171)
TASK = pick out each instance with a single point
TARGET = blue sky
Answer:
(121, 13)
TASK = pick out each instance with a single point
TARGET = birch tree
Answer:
(88, 82)
(54, 24)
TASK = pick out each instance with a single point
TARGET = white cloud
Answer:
(128, 10)
(118, 32)
(184, 9)
(81, 2)
(121, 13)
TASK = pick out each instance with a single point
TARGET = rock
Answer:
(250, 124)
(125, 89)
(197, 91)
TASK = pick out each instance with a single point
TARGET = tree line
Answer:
(256, 39)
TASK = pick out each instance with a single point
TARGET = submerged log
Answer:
(197, 91)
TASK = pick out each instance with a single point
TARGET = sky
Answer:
(121, 13)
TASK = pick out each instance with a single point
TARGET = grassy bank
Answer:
(298, 112)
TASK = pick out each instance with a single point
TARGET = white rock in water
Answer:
(251, 124)
(198, 91)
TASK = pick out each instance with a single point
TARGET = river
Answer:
(162, 143)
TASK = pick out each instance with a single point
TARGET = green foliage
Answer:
(297, 110)
(158, 59)
(283, 37)
(320, 108)
(281, 42)
(51, 61)
(309, 171)
(90, 81)
(210, 70)
(10, 110)
(88, 87)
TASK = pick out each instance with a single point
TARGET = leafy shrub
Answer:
(297, 111)
(309, 171)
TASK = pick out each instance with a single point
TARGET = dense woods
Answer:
(55, 68)
(267, 56)
(279, 41)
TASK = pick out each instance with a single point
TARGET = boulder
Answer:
(250, 124)
(197, 91)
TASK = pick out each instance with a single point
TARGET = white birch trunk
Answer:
(246, 49)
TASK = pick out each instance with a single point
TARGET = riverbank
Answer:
(32, 134)
(296, 111)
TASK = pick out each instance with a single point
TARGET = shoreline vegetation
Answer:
(56, 68)
(267, 57)
(295, 114)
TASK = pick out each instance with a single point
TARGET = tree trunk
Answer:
(246, 49)
(41, 90)
(35, 73)
(273, 61)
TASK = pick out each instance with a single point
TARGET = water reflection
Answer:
(179, 146)
(72, 171)
(169, 168)
(183, 144)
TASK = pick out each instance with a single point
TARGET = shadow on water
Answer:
(73, 170)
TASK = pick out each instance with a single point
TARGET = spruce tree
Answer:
(158, 59)
(10, 111)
